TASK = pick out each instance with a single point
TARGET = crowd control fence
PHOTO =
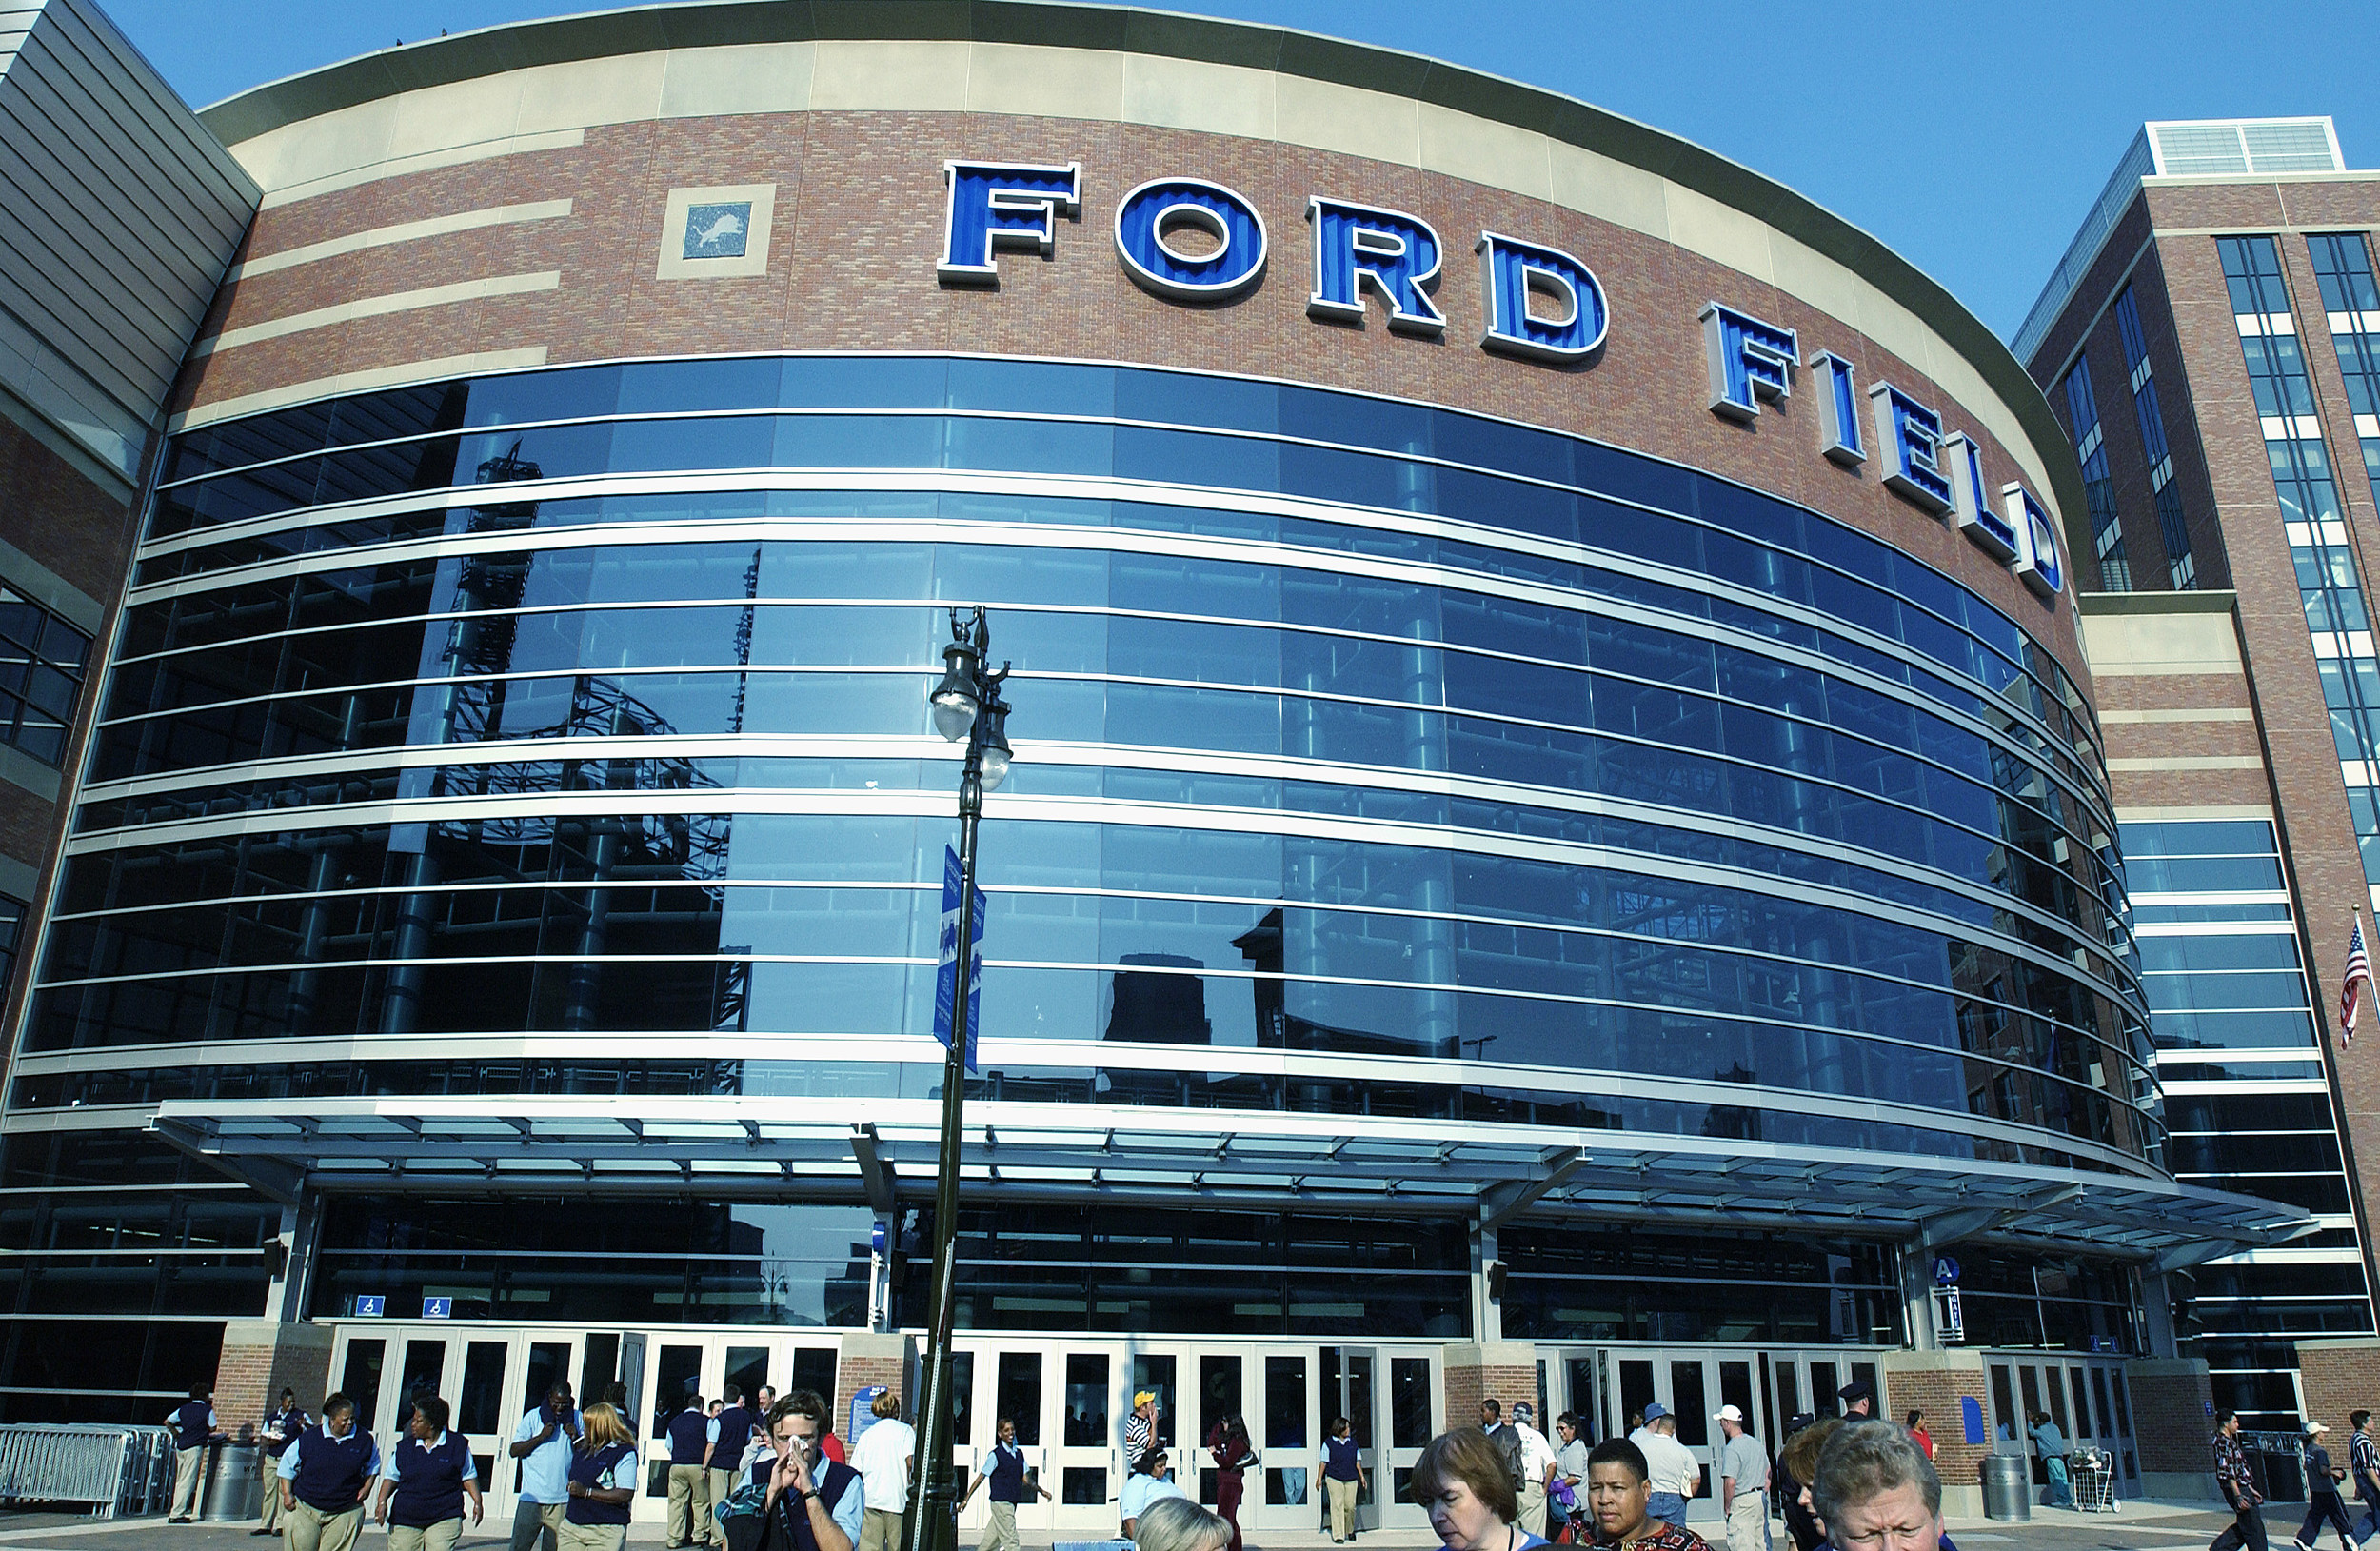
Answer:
(116, 1471)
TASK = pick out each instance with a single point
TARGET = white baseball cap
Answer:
(1727, 1413)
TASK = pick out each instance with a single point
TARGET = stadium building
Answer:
(1559, 844)
(2212, 340)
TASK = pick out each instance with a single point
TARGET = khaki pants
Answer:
(689, 1506)
(438, 1537)
(1341, 1495)
(1748, 1523)
(189, 1467)
(536, 1522)
(1000, 1534)
(593, 1537)
(723, 1485)
(310, 1529)
(880, 1530)
(271, 1518)
(1532, 1507)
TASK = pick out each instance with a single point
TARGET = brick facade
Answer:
(259, 1357)
(858, 227)
(867, 1360)
(2172, 1419)
(1935, 1382)
(2339, 1377)
(1504, 1371)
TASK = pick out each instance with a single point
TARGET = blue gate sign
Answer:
(1971, 1419)
(947, 971)
(1945, 1270)
(437, 1308)
(368, 1305)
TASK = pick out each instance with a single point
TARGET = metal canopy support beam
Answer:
(1504, 1201)
(876, 1170)
(279, 1182)
(1952, 1226)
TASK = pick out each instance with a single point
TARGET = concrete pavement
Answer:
(2140, 1527)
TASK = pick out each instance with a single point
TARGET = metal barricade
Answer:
(117, 1470)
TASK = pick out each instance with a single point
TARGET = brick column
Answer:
(868, 1359)
(1936, 1383)
(2337, 1378)
(2172, 1419)
(259, 1358)
(1506, 1370)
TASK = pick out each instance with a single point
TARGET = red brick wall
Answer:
(1466, 1381)
(865, 1362)
(259, 1358)
(2338, 1378)
(1937, 1392)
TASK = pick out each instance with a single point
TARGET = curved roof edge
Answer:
(1071, 24)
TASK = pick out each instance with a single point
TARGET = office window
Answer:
(42, 661)
(2327, 583)
(2351, 300)
(2182, 567)
(2107, 525)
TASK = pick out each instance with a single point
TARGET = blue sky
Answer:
(1970, 137)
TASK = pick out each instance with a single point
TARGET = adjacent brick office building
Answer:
(1562, 840)
(2212, 342)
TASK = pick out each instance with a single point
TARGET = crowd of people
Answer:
(762, 1473)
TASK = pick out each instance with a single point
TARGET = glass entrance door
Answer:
(1089, 1462)
(1348, 1374)
(2085, 1397)
(490, 1379)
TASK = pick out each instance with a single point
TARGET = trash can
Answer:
(234, 1490)
(2007, 1488)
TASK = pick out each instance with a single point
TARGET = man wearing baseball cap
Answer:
(1139, 1429)
(1670, 1467)
(1743, 1472)
(1537, 1468)
(2323, 1503)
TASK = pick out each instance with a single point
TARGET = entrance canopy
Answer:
(883, 1151)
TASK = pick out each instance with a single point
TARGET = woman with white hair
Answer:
(1176, 1523)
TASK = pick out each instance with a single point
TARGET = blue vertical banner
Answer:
(946, 972)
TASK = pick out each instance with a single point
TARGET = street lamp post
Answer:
(966, 703)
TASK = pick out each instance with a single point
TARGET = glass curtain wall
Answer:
(591, 701)
(2247, 1100)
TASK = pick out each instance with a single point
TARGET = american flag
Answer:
(2358, 977)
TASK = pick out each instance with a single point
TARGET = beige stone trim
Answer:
(401, 376)
(404, 231)
(501, 114)
(2127, 814)
(2186, 762)
(380, 306)
(357, 174)
(2216, 713)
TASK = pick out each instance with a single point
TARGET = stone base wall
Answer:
(2173, 1419)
